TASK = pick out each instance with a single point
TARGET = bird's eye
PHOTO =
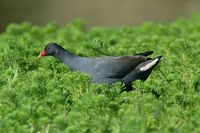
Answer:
(46, 49)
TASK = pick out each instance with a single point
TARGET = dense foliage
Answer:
(44, 96)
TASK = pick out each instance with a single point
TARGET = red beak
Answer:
(42, 54)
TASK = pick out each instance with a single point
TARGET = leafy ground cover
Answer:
(44, 96)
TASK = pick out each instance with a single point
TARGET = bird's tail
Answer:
(147, 53)
(150, 64)
(142, 71)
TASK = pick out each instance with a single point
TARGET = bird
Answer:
(107, 69)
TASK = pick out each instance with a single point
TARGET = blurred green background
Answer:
(107, 13)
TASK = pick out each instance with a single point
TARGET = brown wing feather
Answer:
(118, 67)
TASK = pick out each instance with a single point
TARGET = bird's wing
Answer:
(117, 67)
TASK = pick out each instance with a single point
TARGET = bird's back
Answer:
(109, 67)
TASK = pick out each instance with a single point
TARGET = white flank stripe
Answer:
(149, 65)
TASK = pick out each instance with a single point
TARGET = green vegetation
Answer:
(43, 95)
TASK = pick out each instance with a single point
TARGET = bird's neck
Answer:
(68, 58)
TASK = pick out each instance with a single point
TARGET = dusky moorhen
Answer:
(109, 70)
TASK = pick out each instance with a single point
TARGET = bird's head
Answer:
(49, 50)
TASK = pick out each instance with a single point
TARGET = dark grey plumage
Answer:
(109, 70)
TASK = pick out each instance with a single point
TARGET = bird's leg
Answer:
(127, 87)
